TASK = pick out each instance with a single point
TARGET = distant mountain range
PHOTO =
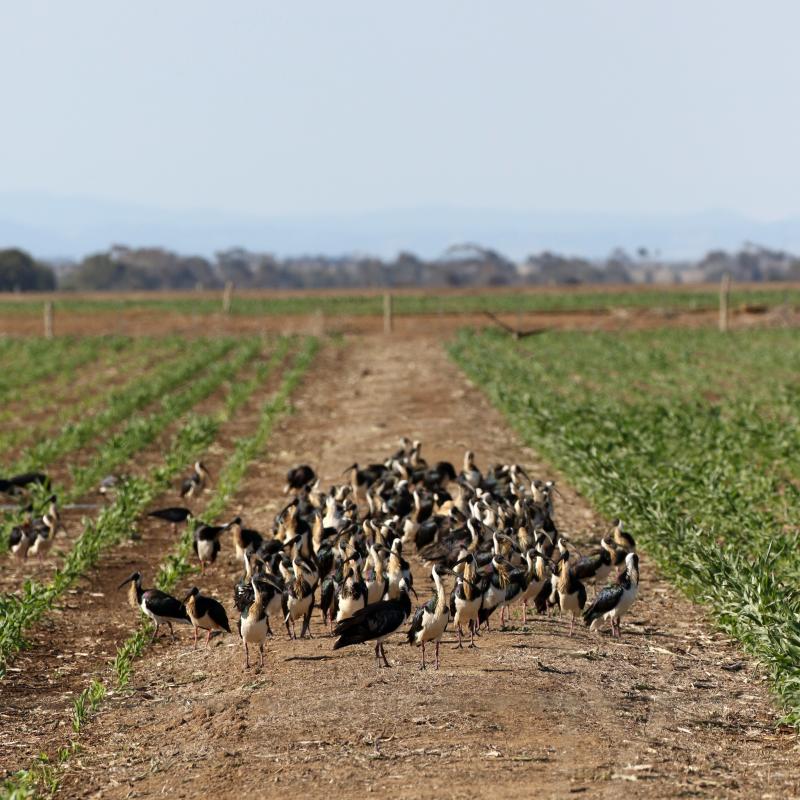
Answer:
(60, 227)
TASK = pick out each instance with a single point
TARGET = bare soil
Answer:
(671, 710)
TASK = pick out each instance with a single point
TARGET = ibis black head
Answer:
(134, 576)
(235, 521)
(193, 592)
(615, 522)
(52, 499)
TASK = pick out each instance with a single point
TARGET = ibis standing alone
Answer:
(173, 515)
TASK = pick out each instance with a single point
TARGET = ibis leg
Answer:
(208, 638)
(437, 654)
(423, 656)
(383, 653)
(195, 637)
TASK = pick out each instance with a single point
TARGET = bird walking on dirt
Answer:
(175, 515)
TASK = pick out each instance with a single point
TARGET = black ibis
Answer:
(352, 595)
(162, 608)
(398, 570)
(471, 474)
(571, 592)
(430, 621)
(16, 484)
(196, 482)
(244, 538)
(596, 565)
(539, 574)
(378, 582)
(298, 599)
(375, 622)
(466, 600)
(206, 613)
(613, 601)
(174, 515)
(21, 537)
(299, 478)
(253, 621)
(206, 543)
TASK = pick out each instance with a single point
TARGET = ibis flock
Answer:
(489, 538)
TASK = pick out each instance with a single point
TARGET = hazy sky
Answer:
(308, 107)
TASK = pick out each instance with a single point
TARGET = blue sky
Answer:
(326, 108)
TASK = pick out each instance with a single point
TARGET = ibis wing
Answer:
(416, 624)
(217, 612)
(165, 605)
(603, 603)
(371, 622)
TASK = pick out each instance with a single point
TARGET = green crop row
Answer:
(702, 468)
(137, 432)
(79, 392)
(31, 361)
(19, 612)
(42, 776)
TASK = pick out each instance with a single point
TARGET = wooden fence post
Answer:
(724, 298)
(387, 312)
(227, 296)
(48, 319)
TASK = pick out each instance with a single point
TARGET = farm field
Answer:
(694, 436)
(688, 435)
(360, 311)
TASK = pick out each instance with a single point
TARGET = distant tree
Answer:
(20, 273)
(235, 265)
(101, 272)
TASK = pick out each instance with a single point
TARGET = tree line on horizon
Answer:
(123, 268)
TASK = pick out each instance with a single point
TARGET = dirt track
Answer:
(672, 710)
